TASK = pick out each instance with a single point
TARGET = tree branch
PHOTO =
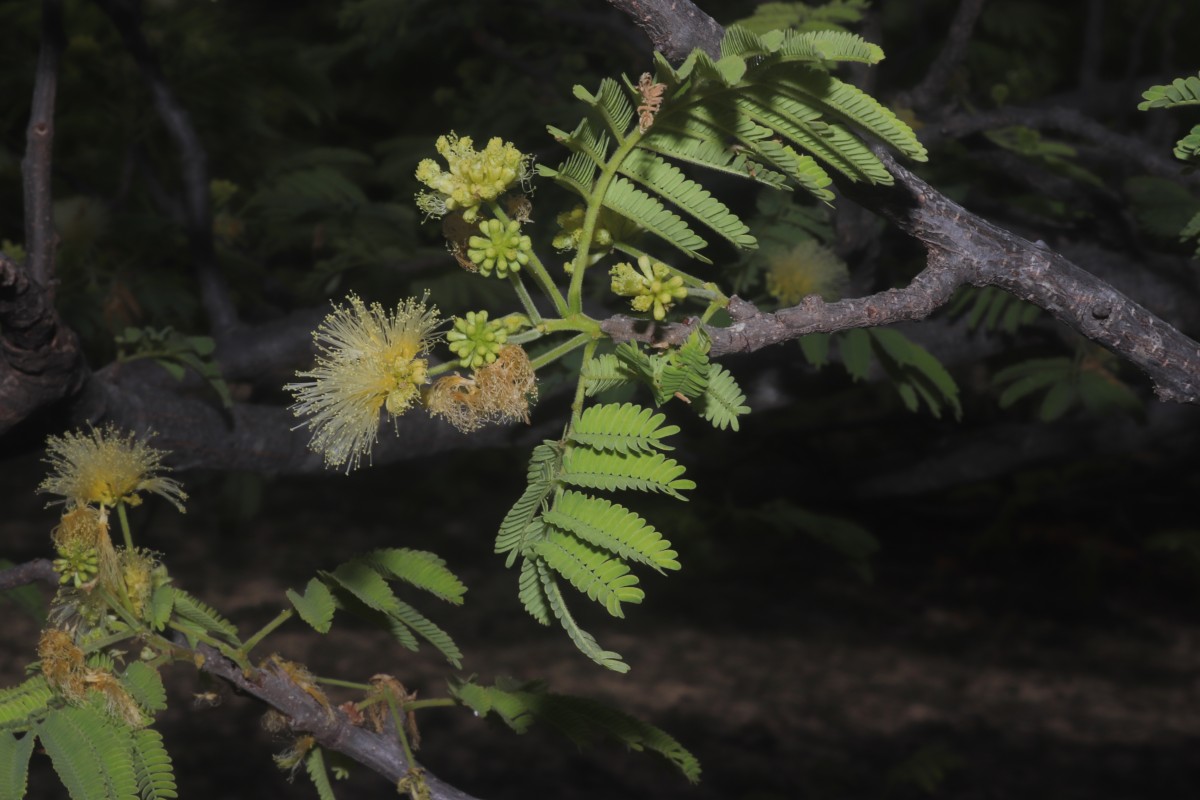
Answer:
(331, 728)
(675, 27)
(922, 96)
(40, 360)
(36, 172)
(1121, 147)
(214, 291)
(38, 570)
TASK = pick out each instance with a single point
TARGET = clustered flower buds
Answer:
(473, 177)
(652, 289)
(476, 340)
(502, 248)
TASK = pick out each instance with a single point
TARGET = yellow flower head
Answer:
(105, 467)
(367, 360)
(808, 268)
(472, 178)
(500, 391)
(652, 289)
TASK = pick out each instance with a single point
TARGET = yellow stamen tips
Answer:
(104, 467)
(808, 268)
(472, 178)
(651, 287)
(367, 361)
(497, 392)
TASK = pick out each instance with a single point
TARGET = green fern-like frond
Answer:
(1179, 92)
(422, 569)
(428, 631)
(666, 179)
(145, 685)
(152, 766)
(616, 471)
(202, 615)
(606, 580)
(831, 15)
(604, 372)
(611, 104)
(515, 528)
(403, 634)
(364, 583)
(20, 704)
(576, 174)
(623, 428)
(314, 765)
(586, 643)
(583, 720)
(722, 402)
(531, 593)
(162, 603)
(640, 208)
(681, 372)
(14, 764)
(92, 756)
(316, 606)
(611, 527)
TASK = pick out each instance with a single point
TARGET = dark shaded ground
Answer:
(1050, 659)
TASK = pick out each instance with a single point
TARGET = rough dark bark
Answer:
(675, 27)
(40, 570)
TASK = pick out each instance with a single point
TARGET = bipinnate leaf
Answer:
(622, 428)
(612, 527)
(316, 606)
(14, 764)
(421, 569)
(586, 643)
(152, 766)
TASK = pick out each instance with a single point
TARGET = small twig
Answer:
(36, 171)
(675, 27)
(40, 569)
(331, 727)
(1117, 146)
(214, 291)
(923, 94)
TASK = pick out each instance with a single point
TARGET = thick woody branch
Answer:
(40, 570)
(214, 292)
(331, 728)
(40, 360)
(36, 172)
(675, 27)
(940, 72)
(965, 249)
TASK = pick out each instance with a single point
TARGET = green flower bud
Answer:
(502, 247)
(475, 340)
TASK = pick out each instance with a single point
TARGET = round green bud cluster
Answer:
(472, 177)
(571, 225)
(476, 340)
(78, 563)
(501, 248)
(652, 289)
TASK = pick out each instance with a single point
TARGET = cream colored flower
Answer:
(368, 360)
(472, 177)
(808, 268)
(104, 467)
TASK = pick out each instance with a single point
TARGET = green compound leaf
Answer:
(532, 595)
(612, 527)
(1179, 92)
(202, 615)
(361, 580)
(420, 568)
(581, 719)
(855, 347)
(152, 766)
(515, 529)
(604, 372)
(14, 764)
(92, 756)
(640, 208)
(606, 580)
(623, 428)
(20, 705)
(611, 104)
(316, 606)
(314, 765)
(722, 402)
(913, 366)
(613, 471)
(162, 603)
(145, 685)
(582, 639)
(428, 631)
